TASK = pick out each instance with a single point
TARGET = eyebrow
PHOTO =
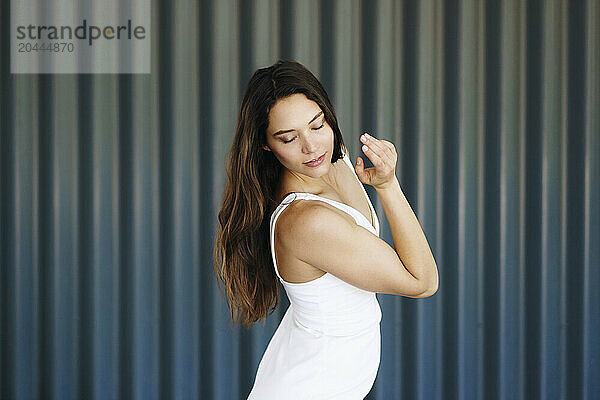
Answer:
(280, 132)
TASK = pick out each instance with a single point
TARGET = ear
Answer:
(265, 147)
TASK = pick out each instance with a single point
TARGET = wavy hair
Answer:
(242, 250)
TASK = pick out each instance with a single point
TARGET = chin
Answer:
(317, 172)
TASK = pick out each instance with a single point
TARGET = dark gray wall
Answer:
(111, 185)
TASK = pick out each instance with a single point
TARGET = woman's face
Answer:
(298, 133)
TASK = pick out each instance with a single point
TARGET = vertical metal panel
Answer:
(466, 332)
(552, 202)
(510, 265)
(111, 186)
(64, 237)
(590, 324)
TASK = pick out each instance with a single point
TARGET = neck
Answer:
(296, 182)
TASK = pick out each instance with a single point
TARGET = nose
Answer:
(308, 145)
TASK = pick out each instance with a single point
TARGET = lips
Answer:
(316, 161)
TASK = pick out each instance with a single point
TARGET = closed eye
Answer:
(292, 139)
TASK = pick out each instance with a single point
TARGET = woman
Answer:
(295, 211)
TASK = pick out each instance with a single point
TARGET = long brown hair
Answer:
(242, 251)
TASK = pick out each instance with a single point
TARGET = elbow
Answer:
(432, 288)
(429, 292)
(424, 287)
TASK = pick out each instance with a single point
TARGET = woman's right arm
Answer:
(320, 235)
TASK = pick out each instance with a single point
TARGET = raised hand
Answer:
(383, 156)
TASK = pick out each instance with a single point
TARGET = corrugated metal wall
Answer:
(111, 184)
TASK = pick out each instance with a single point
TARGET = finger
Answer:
(373, 156)
(390, 146)
(373, 143)
(390, 152)
(379, 147)
(378, 158)
(360, 169)
(386, 150)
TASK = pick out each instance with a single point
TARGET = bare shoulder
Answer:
(307, 224)
(318, 234)
(309, 217)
